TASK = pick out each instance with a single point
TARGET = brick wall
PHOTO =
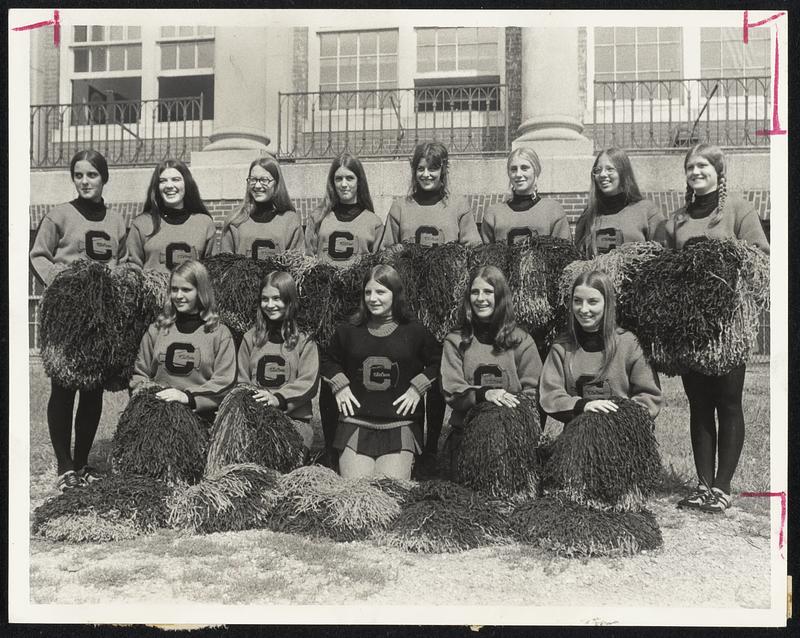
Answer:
(300, 59)
(514, 78)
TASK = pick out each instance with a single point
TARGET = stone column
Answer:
(550, 102)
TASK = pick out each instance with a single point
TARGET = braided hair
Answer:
(714, 155)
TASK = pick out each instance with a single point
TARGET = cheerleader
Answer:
(187, 349)
(524, 214)
(489, 358)
(81, 229)
(617, 214)
(710, 212)
(174, 225)
(379, 365)
(266, 223)
(282, 361)
(595, 360)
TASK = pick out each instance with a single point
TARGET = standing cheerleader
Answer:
(711, 213)
(524, 214)
(174, 225)
(278, 358)
(266, 224)
(379, 366)
(82, 229)
(187, 349)
(489, 358)
(616, 213)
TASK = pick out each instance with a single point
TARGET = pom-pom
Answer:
(607, 460)
(445, 268)
(246, 431)
(527, 278)
(497, 454)
(161, 439)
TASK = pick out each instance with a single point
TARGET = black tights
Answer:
(722, 395)
(59, 421)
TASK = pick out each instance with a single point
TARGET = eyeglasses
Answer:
(264, 181)
(598, 170)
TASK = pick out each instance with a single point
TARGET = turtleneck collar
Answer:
(275, 331)
(93, 211)
(428, 198)
(188, 323)
(609, 205)
(175, 216)
(263, 213)
(520, 203)
(485, 332)
(347, 212)
(381, 326)
(590, 341)
(703, 205)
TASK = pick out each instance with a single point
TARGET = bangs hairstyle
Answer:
(196, 274)
(435, 156)
(363, 198)
(503, 321)
(529, 155)
(627, 183)
(601, 282)
(94, 158)
(154, 203)
(388, 277)
(280, 196)
(287, 289)
(714, 155)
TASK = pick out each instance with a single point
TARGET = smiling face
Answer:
(183, 295)
(346, 182)
(588, 305)
(378, 299)
(481, 298)
(522, 175)
(172, 187)
(606, 176)
(428, 179)
(261, 184)
(273, 307)
(88, 181)
(701, 175)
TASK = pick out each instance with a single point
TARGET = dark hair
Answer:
(351, 163)
(196, 274)
(154, 203)
(280, 196)
(627, 185)
(503, 321)
(388, 277)
(94, 158)
(716, 158)
(288, 291)
(601, 282)
(435, 156)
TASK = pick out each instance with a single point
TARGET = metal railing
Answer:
(657, 114)
(128, 133)
(469, 120)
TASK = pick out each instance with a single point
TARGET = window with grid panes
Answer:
(723, 54)
(186, 70)
(351, 61)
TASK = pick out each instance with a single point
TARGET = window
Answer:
(186, 70)
(638, 53)
(356, 61)
(458, 49)
(724, 55)
(106, 73)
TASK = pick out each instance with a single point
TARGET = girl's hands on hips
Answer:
(265, 396)
(498, 396)
(601, 405)
(173, 394)
(346, 400)
(408, 401)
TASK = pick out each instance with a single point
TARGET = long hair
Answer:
(154, 203)
(627, 184)
(503, 321)
(196, 274)
(435, 156)
(388, 277)
(714, 155)
(94, 158)
(287, 289)
(601, 282)
(528, 154)
(280, 196)
(351, 163)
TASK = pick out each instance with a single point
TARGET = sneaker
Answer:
(68, 480)
(717, 502)
(696, 499)
(90, 474)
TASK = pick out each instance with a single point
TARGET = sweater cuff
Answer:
(480, 394)
(281, 401)
(338, 382)
(192, 403)
(579, 405)
(421, 384)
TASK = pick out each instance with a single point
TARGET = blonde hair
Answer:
(196, 274)
(526, 153)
